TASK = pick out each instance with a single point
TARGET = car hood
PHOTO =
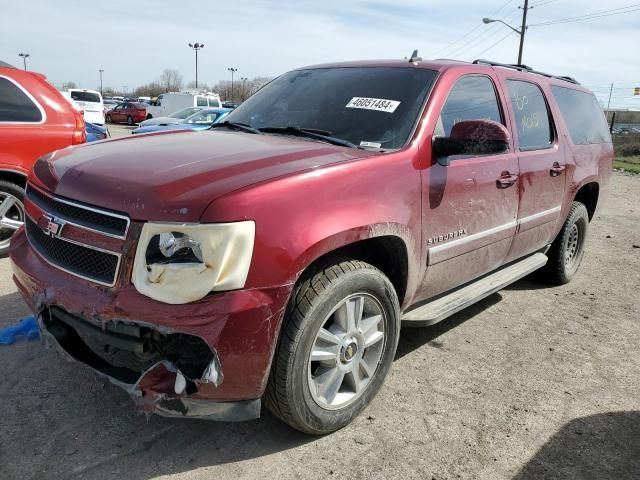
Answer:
(174, 176)
(160, 121)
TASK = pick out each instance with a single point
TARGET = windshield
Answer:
(372, 107)
(80, 96)
(185, 112)
(204, 116)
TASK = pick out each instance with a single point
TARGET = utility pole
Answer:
(609, 102)
(232, 70)
(196, 46)
(523, 30)
(101, 72)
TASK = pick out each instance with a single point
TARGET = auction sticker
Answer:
(379, 104)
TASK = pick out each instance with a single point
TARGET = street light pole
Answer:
(232, 70)
(196, 46)
(101, 71)
(24, 59)
(520, 32)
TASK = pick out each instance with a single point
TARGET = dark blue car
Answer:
(200, 120)
(95, 132)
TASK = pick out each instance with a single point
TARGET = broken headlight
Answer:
(181, 263)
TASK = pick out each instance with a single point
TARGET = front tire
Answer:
(107, 119)
(337, 343)
(567, 249)
(11, 213)
(129, 120)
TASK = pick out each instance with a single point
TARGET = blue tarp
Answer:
(27, 327)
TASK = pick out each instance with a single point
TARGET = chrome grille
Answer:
(81, 260)
(102, 221)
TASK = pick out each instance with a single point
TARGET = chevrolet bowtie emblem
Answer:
(51, 226)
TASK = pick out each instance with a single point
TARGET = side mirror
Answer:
(472, 137)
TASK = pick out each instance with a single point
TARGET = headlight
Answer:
(181, 263)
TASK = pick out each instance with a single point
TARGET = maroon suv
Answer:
(275, 256)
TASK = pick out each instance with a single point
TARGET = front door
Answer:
(542, 168)
(470, 206)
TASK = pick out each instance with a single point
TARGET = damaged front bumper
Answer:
(162, 373)
(208, 359)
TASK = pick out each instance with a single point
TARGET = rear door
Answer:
(541, 159)
(469, 213)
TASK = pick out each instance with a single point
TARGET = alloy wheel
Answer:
(346, 351)
(11, 217)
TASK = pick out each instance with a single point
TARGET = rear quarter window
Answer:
(582, 115)
(202, 102)
(214, 102)
(15, 104)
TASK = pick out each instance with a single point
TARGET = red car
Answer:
(34, 119)
(275, 256)
(129, 113)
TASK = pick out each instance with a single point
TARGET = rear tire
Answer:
(337, 343)
(567, 249)
(149, 116)
(11, 210)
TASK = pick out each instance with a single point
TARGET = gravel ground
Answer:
(531, 383)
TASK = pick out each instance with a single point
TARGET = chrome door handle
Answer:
(556, 169)
(506, 180)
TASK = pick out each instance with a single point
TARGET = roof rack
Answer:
(525, 68)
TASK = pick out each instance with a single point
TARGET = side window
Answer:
(214, 102)
(201, 102)
(531, 115)
(15, 105)
(471, 98)
(583, 115)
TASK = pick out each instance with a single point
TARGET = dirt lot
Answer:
(531, 383)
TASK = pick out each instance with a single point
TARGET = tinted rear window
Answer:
(15, 105)
(85, 97)
(583, 116)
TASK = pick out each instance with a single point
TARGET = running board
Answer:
(445, 306)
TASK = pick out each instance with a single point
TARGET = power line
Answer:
(589, 16)
(542, 3)
(488, 33)
(470, 31)
(477, 55)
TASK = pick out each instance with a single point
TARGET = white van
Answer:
(91, 103)
(168, 103)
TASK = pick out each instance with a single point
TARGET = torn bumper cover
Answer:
(216, 351)
(162, 373)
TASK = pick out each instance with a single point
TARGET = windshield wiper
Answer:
(323, 135)
(243, 127)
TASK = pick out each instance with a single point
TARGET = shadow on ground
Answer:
(598, 447)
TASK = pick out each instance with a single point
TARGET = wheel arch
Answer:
(383, 246)
(13, 176)
(588, 195)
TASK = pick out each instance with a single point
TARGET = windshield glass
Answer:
(372, 107)
(185, 112)
(205, 116)
(80, 96)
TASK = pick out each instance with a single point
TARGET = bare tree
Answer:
(66, 85)
(203, 87)
(171, 80)
(242, 89)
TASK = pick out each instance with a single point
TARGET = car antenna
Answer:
(414, 57)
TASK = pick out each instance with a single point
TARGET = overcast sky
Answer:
(134, 40)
